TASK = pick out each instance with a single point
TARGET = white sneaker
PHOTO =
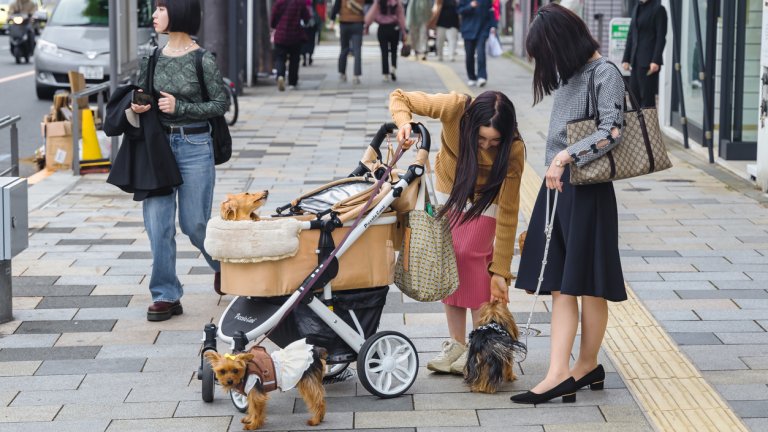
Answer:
(291, 87)
(281, 83)
(481, 82)
(471, 83)
(458, 366)
(442, 362)
(385, 78)
(342, 77)
(356, 80)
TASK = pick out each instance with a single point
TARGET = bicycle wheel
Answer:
(232, 106)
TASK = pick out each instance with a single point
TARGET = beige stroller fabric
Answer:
(252, 241)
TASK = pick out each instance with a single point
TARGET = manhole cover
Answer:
(636, 190)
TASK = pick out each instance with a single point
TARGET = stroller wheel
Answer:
(387, 364)
(208, 381)
(240, 401)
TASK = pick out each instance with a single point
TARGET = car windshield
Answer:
(94, 13)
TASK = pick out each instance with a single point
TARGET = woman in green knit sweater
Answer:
(184, 114)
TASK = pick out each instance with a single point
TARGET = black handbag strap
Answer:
(152, 62)
(200, 77)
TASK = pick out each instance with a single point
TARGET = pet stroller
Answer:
(331, 295)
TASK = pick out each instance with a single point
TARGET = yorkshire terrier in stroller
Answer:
(256, 372)
(492, 346)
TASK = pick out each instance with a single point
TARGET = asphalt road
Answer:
(17, 97)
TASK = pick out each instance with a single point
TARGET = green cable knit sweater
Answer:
(178, 76)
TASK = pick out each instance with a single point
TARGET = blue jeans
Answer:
(470, 47)
(194, 156)
(351, 36)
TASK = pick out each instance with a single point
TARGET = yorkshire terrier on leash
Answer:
(492, 346)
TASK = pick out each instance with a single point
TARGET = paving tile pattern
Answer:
(696, 252)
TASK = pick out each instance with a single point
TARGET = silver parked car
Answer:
(76, 38)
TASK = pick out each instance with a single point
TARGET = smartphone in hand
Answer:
(141, 98)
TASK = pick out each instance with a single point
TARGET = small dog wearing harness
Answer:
(492, 345)
(256, 372)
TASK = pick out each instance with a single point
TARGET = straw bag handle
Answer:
(548, 236)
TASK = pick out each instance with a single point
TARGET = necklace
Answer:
(178, 50)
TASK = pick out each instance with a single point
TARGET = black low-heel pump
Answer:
(595, 379)
(566, 390)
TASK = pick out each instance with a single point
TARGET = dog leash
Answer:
(548, 228)
(308, 288)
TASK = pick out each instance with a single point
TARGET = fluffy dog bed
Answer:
(252, 241)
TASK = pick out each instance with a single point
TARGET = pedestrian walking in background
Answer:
(478, 171)
(311, 31)
(447, 28)
(416, 18)
(583, 257)
(286, 19)
(351, 23)
(476, 23)
(644, 50)
(390, 16)
(184, 114)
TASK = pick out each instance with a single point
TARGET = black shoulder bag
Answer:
(222, 140)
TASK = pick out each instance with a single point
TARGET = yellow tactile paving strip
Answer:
(669, 389)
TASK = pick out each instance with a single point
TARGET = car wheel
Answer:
(45, 92)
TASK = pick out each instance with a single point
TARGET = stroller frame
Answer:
(379, 356)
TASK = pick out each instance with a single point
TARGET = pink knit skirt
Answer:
(473, 243)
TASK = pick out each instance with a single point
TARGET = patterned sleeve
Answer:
(218, 99)
(609, 87)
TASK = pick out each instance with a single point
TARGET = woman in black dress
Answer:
(583, 257)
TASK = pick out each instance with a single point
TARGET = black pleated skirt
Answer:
(584, 249)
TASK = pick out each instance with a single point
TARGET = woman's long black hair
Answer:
(493, 109)
(561, 44)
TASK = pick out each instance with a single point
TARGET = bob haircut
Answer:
(183, 15)
(560, 44)
(490, 109)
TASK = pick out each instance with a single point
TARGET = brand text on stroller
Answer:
(247, 319)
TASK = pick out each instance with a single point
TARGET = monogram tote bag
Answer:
(641, 150)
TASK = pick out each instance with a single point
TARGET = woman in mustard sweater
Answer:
(478, 171)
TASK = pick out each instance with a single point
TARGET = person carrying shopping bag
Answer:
(478, 171)
(184, 115)
(390, 16)
(582, 255)
(477, 19)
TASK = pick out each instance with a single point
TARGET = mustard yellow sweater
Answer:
(449, 108)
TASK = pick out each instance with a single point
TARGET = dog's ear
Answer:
(228, 210)
(212, 356)
(245, 357)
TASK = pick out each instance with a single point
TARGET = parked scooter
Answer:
(21, 36)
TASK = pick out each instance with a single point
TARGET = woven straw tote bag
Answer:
(641, 150)
(426, 266)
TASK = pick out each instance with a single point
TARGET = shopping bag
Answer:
(426, 266)
(493, 46)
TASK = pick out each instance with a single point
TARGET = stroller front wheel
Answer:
(208, 381)
(387, 364)
(240, 401)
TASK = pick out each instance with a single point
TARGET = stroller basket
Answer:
(369, 262)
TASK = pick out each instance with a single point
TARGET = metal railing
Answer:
(10, 122)
(99, 90)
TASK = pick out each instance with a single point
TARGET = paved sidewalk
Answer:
(81, 356)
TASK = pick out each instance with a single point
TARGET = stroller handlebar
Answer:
(388, 128)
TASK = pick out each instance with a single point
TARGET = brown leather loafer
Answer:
(162, 311)
(217, 283)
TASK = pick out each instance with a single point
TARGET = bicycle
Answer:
(233, 109)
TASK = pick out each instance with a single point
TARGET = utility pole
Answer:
(213, 32)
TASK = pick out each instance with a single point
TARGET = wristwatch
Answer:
(558, 163)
